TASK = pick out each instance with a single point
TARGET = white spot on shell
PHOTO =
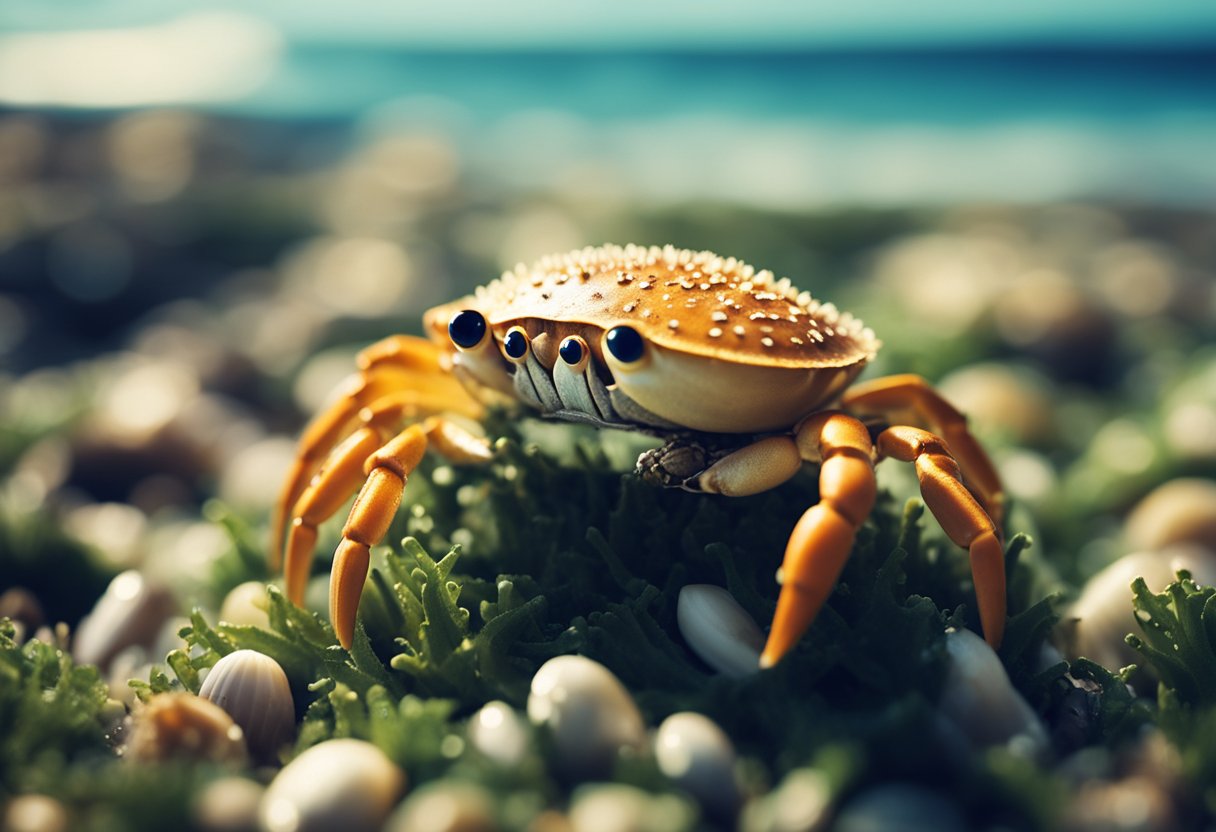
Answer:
(716, 332)
(768, 342)
(718, 317)
(738, 330)
(673, 324)
(719, 630)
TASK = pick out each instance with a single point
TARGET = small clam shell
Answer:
(339, 784)
(698, 756)
(589, 714)
(253, 689)
(979, 701)
(1103, 615)
(498, 732)
(246, 604)
(445, 806)
(185, 726)
(129, 613)
(719, 630)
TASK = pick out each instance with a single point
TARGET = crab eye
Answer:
(625, 344)
(515, 343)
(571, 350)
(467, 328)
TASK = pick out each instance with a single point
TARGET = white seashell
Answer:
(339, 784)
(719, 630)
(589, 714)
(1179, 511)
(246, 604)
(229, 804)
(184, 726)
(445, 806)
(698, 756)
(498, 732)
(978, 700)
(129, 613)
(253, 690)
(898, 806)
(621, 808)
(1103, 615)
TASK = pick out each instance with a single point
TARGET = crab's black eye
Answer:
(467, 328)
(515, 343)
(571, 350)
(625, 344)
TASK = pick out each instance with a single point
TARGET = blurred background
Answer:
(205, 210)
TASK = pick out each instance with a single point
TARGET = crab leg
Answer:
(911, 392)
(822, 539)
(404, 369)
(960, 515)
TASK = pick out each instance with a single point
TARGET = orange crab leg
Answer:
(821, 541)
(401, 373)
(960, 515)
(911, 392)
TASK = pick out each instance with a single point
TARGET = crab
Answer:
(744, 376)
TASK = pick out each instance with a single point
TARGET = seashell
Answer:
(719, 630)
(799, 804)
(229, 804)
(246, 604)
(253, 689)
(899, 806)
(1179, 511)
(498, 732)
(1103, 615)
(698, 756)
(978, 700)
(339, 784)
(588, 713)
(621, 808)
(34, 813)
(129, 613)
(445, 806)
(185, 726)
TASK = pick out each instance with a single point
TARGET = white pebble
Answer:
(246, 604)
(588, 712)
(340, 784)
(253, 689)
(719, 630)
(1103, 615)
(1179, 511)
(698, 756)
(498, 732)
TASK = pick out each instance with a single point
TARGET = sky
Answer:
(647, 23)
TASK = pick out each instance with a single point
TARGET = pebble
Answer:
(799, 804)
(253, 689)
(618, 807)
(1179, 511)
(229, 804)
(897, 807)
(246, 605)
(718, 630)
(1103, 615)
(498, 732)
(590, 716)
(130, 613)
(184, 726)
(697, 755)
(342, 784)
(35, 813)
(978, 700)
(445, 806)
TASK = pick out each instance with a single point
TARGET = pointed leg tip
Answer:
(767, 660)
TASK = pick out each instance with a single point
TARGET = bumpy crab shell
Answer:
(691, 302)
